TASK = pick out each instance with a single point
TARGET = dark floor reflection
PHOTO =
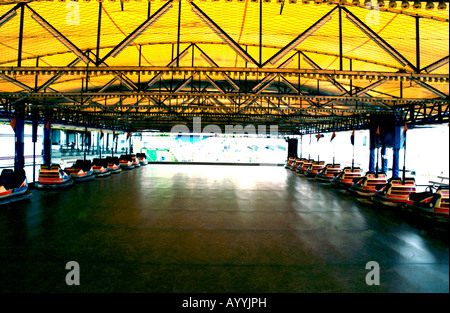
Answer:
(199, 228)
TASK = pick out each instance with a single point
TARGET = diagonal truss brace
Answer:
(434, 66)
(138, 31)
(377, 39)
(223, 35)
(74, 49)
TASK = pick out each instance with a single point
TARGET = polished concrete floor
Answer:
(216, 229)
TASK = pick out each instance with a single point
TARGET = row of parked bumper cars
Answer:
(14, 184)
(394, 192)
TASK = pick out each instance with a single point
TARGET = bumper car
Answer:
(53, 177)
(81, 171)
(328, 173)
(346, 177)
(113, 165)
(305, 165)
(126, 162)
(314, 169)
(296, 164)
(369, 185)
(142, 158)
(135, 161)
(100, 168)
(289, 163)
(396, 192)
(13, 186)
(433, 202)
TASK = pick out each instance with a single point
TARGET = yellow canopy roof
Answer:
(154, 64)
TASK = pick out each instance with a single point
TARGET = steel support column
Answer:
(292, 147)
(47, 153)
(384, 160)
(34, 132)
(19, 158)
(396, 152)
(373, 147)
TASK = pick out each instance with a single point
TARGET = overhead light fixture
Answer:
(430, 5)
(381, 3)
(392, 4)
(355, 2)
(442, 6)
(430, 68)
(342, 2)
(382, 44)
(144, 26)
(417, 4)
(58, 36)
(234, 46)
(297, 41)
(405, 4)
(7, 17)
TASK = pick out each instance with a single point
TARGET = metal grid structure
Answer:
(150, 65)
